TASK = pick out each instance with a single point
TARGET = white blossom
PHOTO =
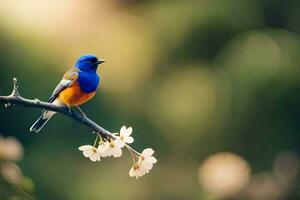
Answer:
(137, 170)
(124, 137)
(90, 152)
(112, 149)
(147, 160)
(144, 164)
(101, 149)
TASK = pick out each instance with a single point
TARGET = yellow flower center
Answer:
(136, 167)
(94, 150)
(111, 144)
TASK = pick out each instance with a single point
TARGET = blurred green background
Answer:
(194, 79)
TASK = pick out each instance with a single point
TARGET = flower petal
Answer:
(146, 166)
(101, 147)
(95, 157)
(108, 152)
(132, 172)
(151, 159)
(129, 140)
(102, 150)
(117, 152)
(123, 130)
(119, 142)
(88, 153)
(85, 147)
(141, 172)
(148, 152)
(128, 131)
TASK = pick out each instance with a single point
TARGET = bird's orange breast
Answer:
(74, 96)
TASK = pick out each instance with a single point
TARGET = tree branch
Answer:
(16, 99)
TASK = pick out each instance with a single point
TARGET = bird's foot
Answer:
(83, 115)
(70, 111)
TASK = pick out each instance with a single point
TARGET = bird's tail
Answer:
(44, 118)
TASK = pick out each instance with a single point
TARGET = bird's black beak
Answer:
(99, 61)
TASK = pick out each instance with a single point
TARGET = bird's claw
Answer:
(70, 111)
(83, 115)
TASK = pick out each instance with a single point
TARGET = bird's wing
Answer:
(68, 80)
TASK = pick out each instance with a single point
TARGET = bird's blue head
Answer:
(88, 63)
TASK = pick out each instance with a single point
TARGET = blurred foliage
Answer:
(194, 78)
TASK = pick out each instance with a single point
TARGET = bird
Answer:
(78, 85)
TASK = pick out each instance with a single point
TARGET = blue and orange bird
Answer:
(79, 85)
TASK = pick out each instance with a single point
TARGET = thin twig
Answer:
(132, 149)
(131, 153)
(16, 99)
(96, 140)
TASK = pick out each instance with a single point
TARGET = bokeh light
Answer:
(224, 174)
(10, 149)
(263, 186)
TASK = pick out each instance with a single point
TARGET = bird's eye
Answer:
(94, 60)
